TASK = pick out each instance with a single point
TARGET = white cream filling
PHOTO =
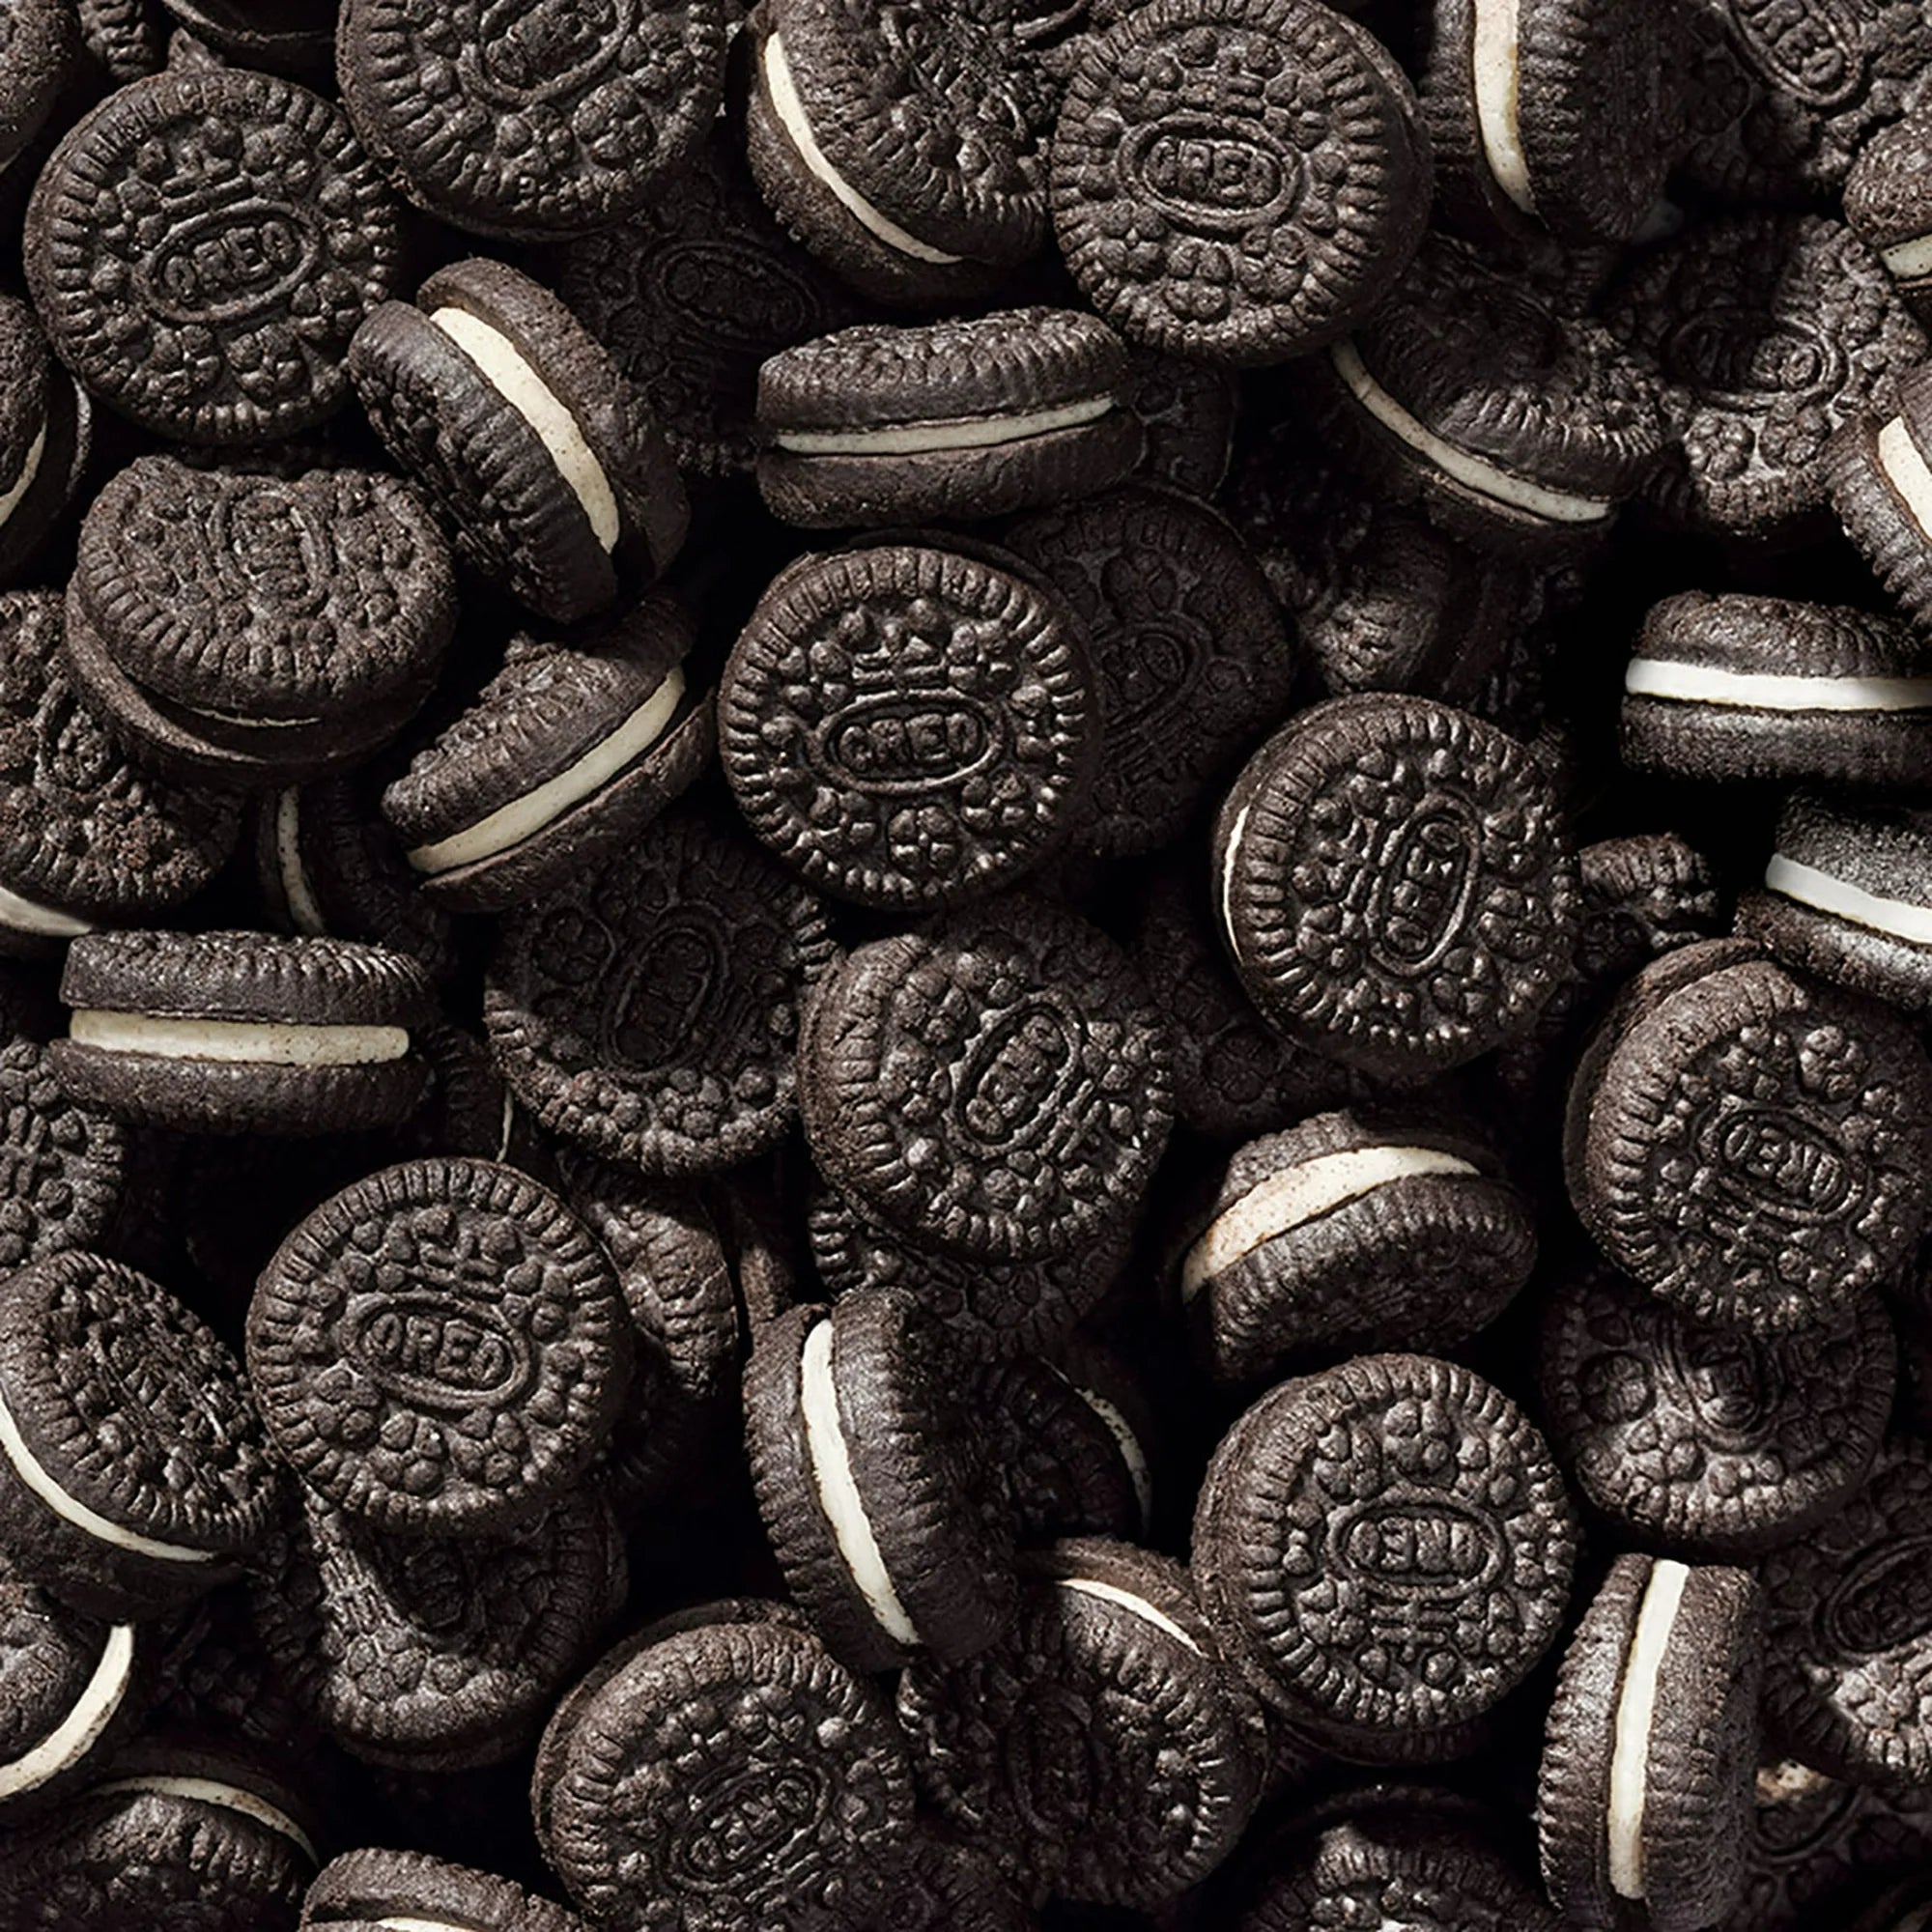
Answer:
(1495, 82)
(783, 93)
(838, 1489)
(509, 825)
(1300, 1194)
(1125, 1441)
(1637, 1709)
(25, 915)
(264, 1042)
(75, 1736)
(218, 1791)
(1904, 468)
(917, 438)
(1554, 506)
(404, 1923)
(27, 1466)
(304, 912)
(527, 393)
(1112, 1593)
(1824, 891)
(10, 501)
(1772, 690)
(1909, 260)
(1231, 859)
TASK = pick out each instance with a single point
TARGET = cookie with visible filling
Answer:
(1877, 472)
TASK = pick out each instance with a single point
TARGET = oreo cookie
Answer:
(240, 338)
(1889, 207)
(365, 1888)
(1875, 469)
(1394, 885)
(1748, 1143)
(908, 725)
(540, 458)
(567, 750)
(1743, 687)
(996, 1084)
(291, 37)
(1703, 1439)
(1065, 1458)
(42, 51)
(1643, 1802)
(66, 1169)
(233, 1032)
(1386, 1549)
(46, 432)
(542, 122)
(1265, 224)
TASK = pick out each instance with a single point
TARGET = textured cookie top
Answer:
(1889, 195)
(203, 246)
(1780, 636)
(362, 1886)
(62, 1164)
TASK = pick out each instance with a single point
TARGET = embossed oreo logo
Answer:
(1806, 47)
(228, 265)
(1788, 1167)
(1209, 174)
(1154, 677)
(908, 744)
(1011, 1088)
(1731, 354)
(744, 1818)
(438, 1353)
(739, 297)
(1885, 1601)
(1423, 887)
(1420, 1544)
(670, 992)
(535, 49)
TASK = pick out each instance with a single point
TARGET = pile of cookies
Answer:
(966, 965)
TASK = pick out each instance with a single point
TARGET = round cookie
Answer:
(1742, 686)
(907, 725)
(291, 37)
(1706, 1440)
(1889, 207)
(567, 752)
(1749, 1144)
(1350, 1232)
(1386, 1549)
(878, 425)
(253, 630)
(439, 1348)
(1111, 1666)
(1848, 896)
(540, 121)
(1644, 1796)
(1192, 659)
(1876, 471)
(84, 835)
(237, 336)
(1768, 332)
(1187, 411)
(996, 1084)
(874, 1490)
(649, 1010)
(240, 1033)
(1394, 884)
(1065, 1458)
(362, 1891)
(1240, 181)
(46, 432)
(133, 1473)
(537, 454)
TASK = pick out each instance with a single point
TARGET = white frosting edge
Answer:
(837, 1489)
(1908, 260)
(1554, 506)
(1125, 1441)
(404, 1923)
(1496, 83)
(510, 374)
(783, 92)
(28, 1467)
(1299, 1194)
(1772, 690)
(1112, 1593)
(75, 1736)
(1826, 891)
(917, 438)
(215, 1791)
(509, 825)
(25, 915)
(251, 1042)
(1636, 1712)
(1230, 859)
(30, 467)
(1904, 468)
(305, 911)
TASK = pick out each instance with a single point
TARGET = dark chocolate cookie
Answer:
(1187, 411)
(1876, 473)
(46, 434)
(366, 1888)
(1888, 205)
(65, 1166)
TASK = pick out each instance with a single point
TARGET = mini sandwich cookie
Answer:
(1740, 686)
(880, 425)
(1352, 1231)
(871, 1487)
(541, 459)
(241, 1032)
(1644, 1799)
(1888, 205)
(133, 1472)
(567, 750)
(1876, 471)
(1848, 896)
(1112, 1668)
(411, 1891)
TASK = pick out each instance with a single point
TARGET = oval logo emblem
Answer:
(1787, 1167)
(1730, 356)
(1016, 1075)
(1420, 1544)
(534, 49)
(737, 296)
(435, 1351)
(229, 265)
(1154, 677)
(1805, 47)
(269, 537)
(1422, 891)
(670, 990)
(1885, 1600)
(908, 744)
(741, 1819)
(1207, 173)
